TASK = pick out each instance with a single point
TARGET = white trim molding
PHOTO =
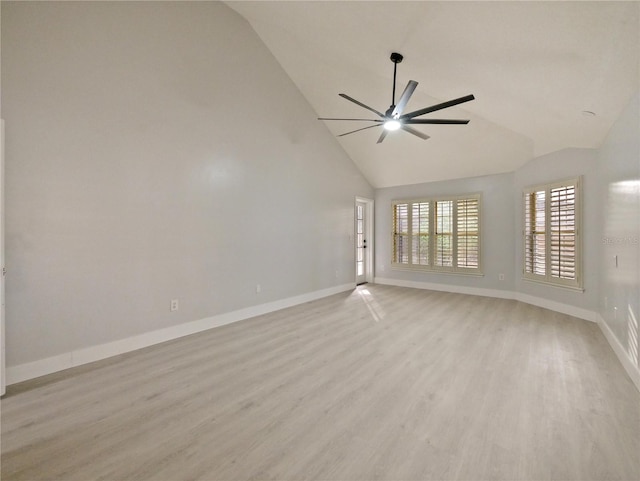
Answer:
(574, 311)
(633, 370)
(433, 286)
(627, 362)
(403, 225)
(42, 367)
(567, 309)
(563, 201)
(369, 235)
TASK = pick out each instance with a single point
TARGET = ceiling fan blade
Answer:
(358, 130)
(363, 120)
(435, 121)
(382, 136)
(406, 95)
(433, 108)
(351, 99)
(415, 132)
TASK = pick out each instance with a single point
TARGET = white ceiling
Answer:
(533, 67)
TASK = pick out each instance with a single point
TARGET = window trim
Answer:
(547, 278)
(432, 200)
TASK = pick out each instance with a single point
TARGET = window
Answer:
(551, 233)
(441, 234)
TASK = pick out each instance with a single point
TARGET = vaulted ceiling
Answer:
(534, 68)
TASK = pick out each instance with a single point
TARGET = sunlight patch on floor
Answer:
(375, 309)
(632, 335)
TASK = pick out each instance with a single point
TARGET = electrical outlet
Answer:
(501, 277)
(174, 305)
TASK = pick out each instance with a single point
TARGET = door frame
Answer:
(3, 377)
(368, 232)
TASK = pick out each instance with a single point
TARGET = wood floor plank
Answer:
(380, 383)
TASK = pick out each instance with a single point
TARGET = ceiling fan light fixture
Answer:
(393, 118)
(392, 125)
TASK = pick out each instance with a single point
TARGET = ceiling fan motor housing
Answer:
(396, 57)
(394, 119)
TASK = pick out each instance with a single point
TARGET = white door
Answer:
(361, 243)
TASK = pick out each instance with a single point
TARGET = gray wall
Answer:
(610, 228)
(496, 225)
(502, 227)
(158, 151)
(619, 176)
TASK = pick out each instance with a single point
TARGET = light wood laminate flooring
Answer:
(382, 383)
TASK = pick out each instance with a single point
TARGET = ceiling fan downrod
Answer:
(395, 118)
(396, 58)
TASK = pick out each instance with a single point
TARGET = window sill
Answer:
(553, 284)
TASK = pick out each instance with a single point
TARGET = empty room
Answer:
(286, 240)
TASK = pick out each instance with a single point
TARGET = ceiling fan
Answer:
(394, 119)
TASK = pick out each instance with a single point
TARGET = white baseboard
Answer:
(500, 294)
(23, 372)
(574, 311)
(627, 362)
(41, 367)
(433, 286)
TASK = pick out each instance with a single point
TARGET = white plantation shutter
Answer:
(437, 234)
(551, 234)
(535, 235)
(562, 227)
(401, 233)
(444, 233)
(468, 233)
(420, 233)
